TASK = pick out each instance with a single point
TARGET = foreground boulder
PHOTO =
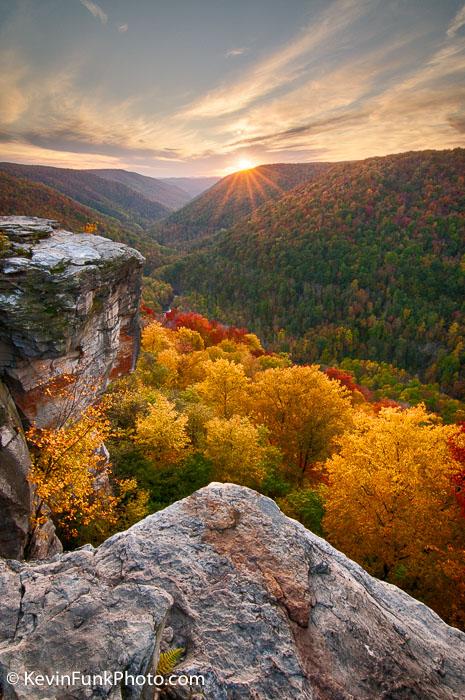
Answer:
(264, 609)
(68, 315)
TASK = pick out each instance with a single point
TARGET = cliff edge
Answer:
(69, 322)
(68, 314)
(263, 607)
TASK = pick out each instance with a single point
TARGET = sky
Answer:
(204, 87)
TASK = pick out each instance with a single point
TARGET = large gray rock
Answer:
(264, 608)
(15, 490)
(17, 497)
(68, 322)
(68, 316)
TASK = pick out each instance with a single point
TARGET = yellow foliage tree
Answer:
(390, 503)
(66, 468)
(187, 340)
(162, 433)
(234, 445)
(303, 410)
(156, 338)
(224, 387)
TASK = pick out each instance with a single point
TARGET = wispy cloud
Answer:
(95, 10)
(239, 51)
(356, 81)
(282, 67)
(457, 23)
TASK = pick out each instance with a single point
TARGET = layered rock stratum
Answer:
(68, 315)
(264, 609)
(68, 323)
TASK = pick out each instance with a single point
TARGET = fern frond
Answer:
(169, 660)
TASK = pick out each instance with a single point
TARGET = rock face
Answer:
(68, 322)
(264, 609)
(15, 490)
(68, 316)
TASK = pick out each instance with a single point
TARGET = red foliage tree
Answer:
(458, 480)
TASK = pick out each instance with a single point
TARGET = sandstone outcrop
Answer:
(17, 494)
(15, 490)
(68, 322)
(264, 609)
(68, 316)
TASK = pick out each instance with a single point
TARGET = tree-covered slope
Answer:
(192, 185)
(25, 198)
(367, 261)
(109, 198)
(165, 193)
(233, 198)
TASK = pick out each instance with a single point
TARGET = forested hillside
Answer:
(233, 198)
(366, 261)
(192, 185)
(25, 198)
(109, 198)
(208, 403)
(165, 193)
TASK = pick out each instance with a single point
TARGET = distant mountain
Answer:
(109, 198)
(192, 185)
(231, 199)
(162, 191)
(366, 261)
(23, 197)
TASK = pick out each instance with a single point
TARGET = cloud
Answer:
(13, 102)
(457, 23)
(281, 68)
(458, 123)
(239, 51)
(314, 127)
(95, 10)
(346, 87)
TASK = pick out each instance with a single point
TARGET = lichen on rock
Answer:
(263, 607)
(68, 323)
(68, 308)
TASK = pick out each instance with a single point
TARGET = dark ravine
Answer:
(264, 609)
(69, 321)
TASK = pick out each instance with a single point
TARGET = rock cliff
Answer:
(68, 315)
(264, 609)
(68, 322)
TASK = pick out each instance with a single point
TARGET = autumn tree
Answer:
(162, 432)
(156, 338)
(67, 471)
(390, 504)
(235, 447)
(303, 410)
(224, 387)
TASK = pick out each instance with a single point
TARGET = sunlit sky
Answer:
(197, 87)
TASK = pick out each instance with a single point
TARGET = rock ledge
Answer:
(264, 608)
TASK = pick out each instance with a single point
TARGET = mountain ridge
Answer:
(108, 197)
(155, 189)
(232, 198)
(364, 261)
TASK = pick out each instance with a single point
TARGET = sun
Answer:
(245, 164)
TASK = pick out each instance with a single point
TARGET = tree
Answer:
(69, 472)
(390, 504)
(224, 387)
(234, 445)
(162, 432)
(303, 410)
(156, 338)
